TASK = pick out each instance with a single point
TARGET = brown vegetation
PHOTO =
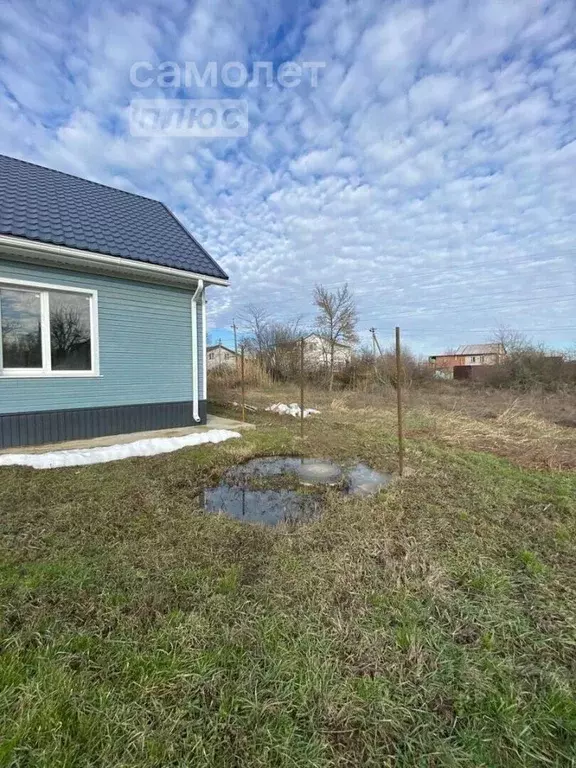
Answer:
(534, 429)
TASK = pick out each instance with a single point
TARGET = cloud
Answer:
(432, 167)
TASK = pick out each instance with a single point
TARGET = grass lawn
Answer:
(431, 625)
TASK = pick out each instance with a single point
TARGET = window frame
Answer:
(46, 372)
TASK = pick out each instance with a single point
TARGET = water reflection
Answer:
(236, 498)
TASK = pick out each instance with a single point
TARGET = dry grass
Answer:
(533, 430)
(227, 377)
(520, 436)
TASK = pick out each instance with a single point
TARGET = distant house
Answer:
(317, 351)
(468, 355)
(218, 355)
(102, 310)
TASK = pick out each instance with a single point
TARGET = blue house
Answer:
(102, 309)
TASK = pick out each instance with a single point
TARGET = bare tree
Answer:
(20, 347)
(512, 342)
(272, 343)
(257, 322)
(336, 320)
(68, 332)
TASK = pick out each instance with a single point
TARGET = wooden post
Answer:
(302, 387)
(243, 383)
(399, 402)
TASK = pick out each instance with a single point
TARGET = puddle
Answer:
(354, 478)
(234, 496)
(309, 471)
(269, 507)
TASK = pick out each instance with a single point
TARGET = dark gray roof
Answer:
(39, 203)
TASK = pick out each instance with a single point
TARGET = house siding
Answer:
(145, 346)
(17, 429)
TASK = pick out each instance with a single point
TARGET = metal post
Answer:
(302, 387)
(399, 401)
(243, 383)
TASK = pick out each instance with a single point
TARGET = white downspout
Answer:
(204, 368)
(195, 366)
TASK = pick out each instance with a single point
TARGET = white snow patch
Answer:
(81, 457)
(291, 410)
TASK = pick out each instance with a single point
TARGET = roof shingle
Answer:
(41, 204)
(479, 349)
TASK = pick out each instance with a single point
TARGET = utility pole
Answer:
(235, 342)
(235, 336)
(373, 332)
(375, 343)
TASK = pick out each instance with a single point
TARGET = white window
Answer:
(211, 356)
(47, 330)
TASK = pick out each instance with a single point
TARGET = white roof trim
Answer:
(123, 267)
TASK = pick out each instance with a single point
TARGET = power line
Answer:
(443, 331)
(443, 309)
(456, 303)
(458, 308)
(389, 288)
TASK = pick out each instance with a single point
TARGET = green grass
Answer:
(432, 625)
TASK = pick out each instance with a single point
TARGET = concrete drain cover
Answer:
(319, 472)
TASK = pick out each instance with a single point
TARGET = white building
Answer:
(317, 351)
(218, 355)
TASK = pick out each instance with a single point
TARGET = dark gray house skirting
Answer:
(38, 427)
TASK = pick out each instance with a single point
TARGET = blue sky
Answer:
(433, 166)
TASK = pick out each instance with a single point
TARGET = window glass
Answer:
(21, 329)
(70, 346)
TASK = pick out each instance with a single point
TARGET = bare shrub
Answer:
(529, 366)
(369, 373)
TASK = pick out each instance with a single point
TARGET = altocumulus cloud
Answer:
(433, 166)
